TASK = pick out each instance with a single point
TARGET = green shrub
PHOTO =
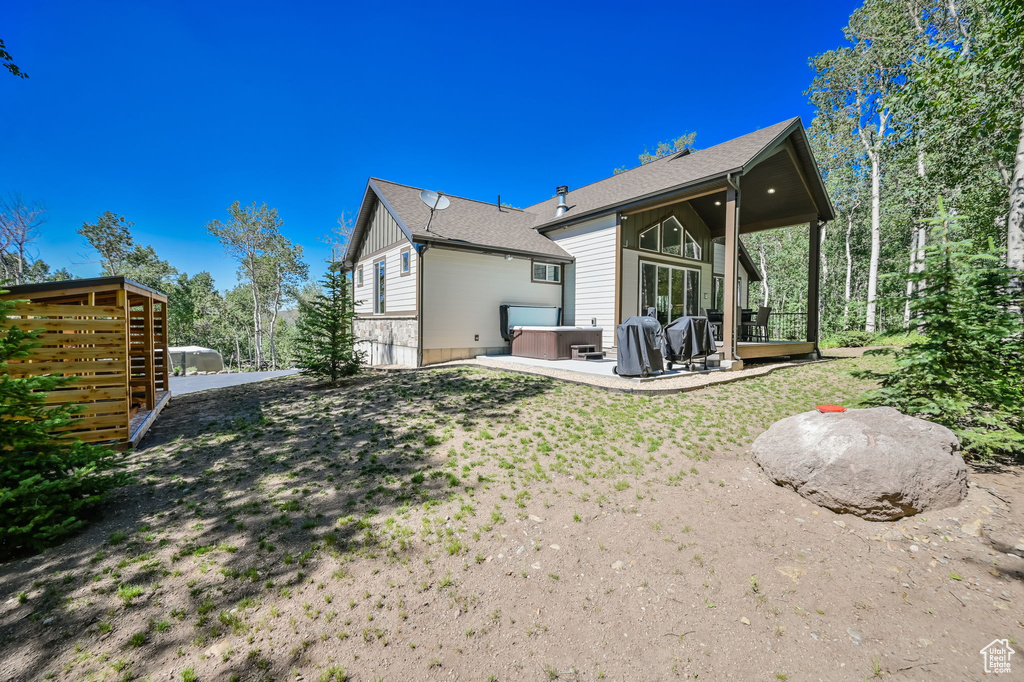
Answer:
(853, 338)
(967, 371)
(48, 484)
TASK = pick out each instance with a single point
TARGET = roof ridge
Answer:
(669, 157)
(453, 196)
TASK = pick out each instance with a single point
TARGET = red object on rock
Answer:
(831, 408)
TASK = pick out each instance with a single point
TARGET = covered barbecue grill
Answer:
(638, 344)
(686, 338)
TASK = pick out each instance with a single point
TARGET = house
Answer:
(429, 283)
(111, 334)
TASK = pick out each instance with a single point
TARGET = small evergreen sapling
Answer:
(48, 483)
(324, 342)
(967, 371)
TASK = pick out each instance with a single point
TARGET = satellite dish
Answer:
(435, 200)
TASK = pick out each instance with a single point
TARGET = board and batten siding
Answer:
(591, 280)
(382, 231)
(461, 294)
(632, 255)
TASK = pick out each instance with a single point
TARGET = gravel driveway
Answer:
(204, 382)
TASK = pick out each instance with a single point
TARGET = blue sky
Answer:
(167, 112)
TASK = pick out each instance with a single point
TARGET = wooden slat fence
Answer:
(89, 342)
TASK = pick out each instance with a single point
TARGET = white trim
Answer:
(657, 239)
(641, 309)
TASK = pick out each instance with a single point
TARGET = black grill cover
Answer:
(638, 347)
(688, 337)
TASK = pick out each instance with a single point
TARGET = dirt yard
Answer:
(466, 524)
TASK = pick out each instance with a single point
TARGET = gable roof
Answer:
(681, 170)
(466, 223)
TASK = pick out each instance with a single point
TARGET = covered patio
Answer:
(777, 186)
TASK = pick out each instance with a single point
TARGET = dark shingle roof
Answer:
(468, 222)
(660, 176)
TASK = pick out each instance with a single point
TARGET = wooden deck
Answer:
(748, 350)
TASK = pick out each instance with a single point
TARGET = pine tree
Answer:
(324, 343)
(967, 371)
(48, 484)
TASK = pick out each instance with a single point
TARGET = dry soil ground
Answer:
(466, 524)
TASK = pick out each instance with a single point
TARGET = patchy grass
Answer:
(426, 517)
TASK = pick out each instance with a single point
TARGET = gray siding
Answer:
(382, 231)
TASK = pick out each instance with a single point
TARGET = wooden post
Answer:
(813, 268)
(150, 357)
(165, 367)
(121, 301)
(732, 240)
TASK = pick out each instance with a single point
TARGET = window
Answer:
(547, 272)
(380, 287)
(672, 237)
(672, 292)
(692, 248)
(359, 276)
(649, 238)
(669, 237)
(406, 262)
(718, 292)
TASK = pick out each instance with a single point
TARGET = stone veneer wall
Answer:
(387, 340)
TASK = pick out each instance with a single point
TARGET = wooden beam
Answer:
(121, 301)
(61, 325)
(813, 268)
(49, 309)
(732, 240)
(678, 200)
(147, 307)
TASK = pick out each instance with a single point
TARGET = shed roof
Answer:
(85, 284)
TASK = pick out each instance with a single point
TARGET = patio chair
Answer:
(715, 320)
(757, 328)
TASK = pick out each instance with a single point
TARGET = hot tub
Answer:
(552, 343)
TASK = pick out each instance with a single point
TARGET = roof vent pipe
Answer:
(561, 190)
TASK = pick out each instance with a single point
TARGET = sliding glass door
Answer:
(671, 291)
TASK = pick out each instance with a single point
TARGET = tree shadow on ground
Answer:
(241, 495)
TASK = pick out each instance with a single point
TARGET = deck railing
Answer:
(787, 326)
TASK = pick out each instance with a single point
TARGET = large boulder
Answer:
(876, 463)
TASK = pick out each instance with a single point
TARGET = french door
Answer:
(671, 291)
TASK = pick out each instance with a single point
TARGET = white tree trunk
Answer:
(822, 297)
(257, 318)
(273, 320)
(870, 322)
(849, 272)
(910, 282)
(764, 274)
(1015, 217)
